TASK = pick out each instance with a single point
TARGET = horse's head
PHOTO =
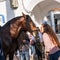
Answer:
(23, 22)
(29, 24)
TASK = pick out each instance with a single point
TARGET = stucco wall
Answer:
(8, 12)
(38, 9)
(3, 11)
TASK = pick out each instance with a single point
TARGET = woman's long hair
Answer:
(47, 29)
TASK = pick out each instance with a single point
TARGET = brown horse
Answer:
(10, 31)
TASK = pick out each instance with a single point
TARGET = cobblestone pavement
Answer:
(15, 58)
(31, 58)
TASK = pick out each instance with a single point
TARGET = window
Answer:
(2, 20)
(58, 26)
(57, 23)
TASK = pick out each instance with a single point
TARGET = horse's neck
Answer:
(33, 27)
(14, 29)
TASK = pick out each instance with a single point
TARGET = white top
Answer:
(40, 35)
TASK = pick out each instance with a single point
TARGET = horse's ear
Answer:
(23, 15)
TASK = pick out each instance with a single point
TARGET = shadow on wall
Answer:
(37, 14)
(9, 11)
(41, 9)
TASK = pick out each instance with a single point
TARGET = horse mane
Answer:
(12, 21)
(28, 18)
(6, 27)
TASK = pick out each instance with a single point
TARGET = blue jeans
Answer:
(24, 55)
(32, 50)
(54, 56)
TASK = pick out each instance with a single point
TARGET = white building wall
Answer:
(37, 9)
(3, 11)
(13, 12)
(8, 12)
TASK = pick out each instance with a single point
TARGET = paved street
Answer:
(17, 58)
(31, 58)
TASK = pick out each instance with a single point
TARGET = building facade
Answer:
(39, 10)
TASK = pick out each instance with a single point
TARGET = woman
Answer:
(24, 46)
(50, 41)
(31, 46)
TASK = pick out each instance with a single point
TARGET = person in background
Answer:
(51, 42)
(39, 46)
(1, 51)
(23, 46)
(24, 52)
(31, 46)
(42, 44)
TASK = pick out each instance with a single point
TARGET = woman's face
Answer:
(41, 29)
